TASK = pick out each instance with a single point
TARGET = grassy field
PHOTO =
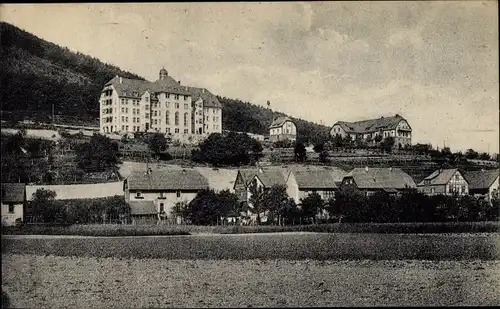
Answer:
(68, 282)
(289, 246)
(155, 230)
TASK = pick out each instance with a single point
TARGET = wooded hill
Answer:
(36, 74)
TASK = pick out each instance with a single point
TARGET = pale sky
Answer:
(435, 63)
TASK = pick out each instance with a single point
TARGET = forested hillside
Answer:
(246, 117)
(36, 74)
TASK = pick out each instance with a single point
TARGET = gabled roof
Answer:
(271, 177)
(318, 178)
(370, 125)
(381, 178)
(482, 179)
(439, 177)
(209, 99)
(13, 192)
(279, 122)
(247, 174)
(173, 179)
(142, 208)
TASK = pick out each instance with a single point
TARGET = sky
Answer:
(435, 63)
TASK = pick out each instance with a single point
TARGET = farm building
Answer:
(324, 181)
(13, 199)
(483, 183)
(371, 180)
(446, 182)
(152, 195)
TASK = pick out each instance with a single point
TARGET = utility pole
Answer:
(53, 121)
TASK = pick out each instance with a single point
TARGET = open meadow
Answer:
(86, 282)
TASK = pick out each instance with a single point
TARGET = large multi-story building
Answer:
(164, 106)
(395, 126)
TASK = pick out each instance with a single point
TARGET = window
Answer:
(186, 131)
(11, 208)
(126, 128)
(126, 109)
(176, 130)
(126, 119)
(156, 122)
(463, 189)
(162, 207)
(185, 98)
(214, 118)
(123, 118)
(167, 117)
(177, 97)
(138, 194)
(207, 118)
(147, 99)
(178, 193)
(176, 118)
(123, 110)
(167, 130)
(146, 107)
(167, 105)
(457, 177)
(176, 104)
(147, 115)
(185, 119)
(155, 113)
(162, 195)
(167, 95)
(186, 106)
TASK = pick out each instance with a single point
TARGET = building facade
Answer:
(153, 195)
(396, 127)
(187, 114)
(325, 182)
(445, 182)
(282, 128)
(13, 200)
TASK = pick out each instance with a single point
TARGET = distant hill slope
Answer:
(36, 74)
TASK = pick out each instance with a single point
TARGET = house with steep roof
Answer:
(445, 182)
(395, 126)
(370, 180)
(282, 128)
(152, 195)
(13, 200)
(483, 183)
(324, 181)
(164, 106)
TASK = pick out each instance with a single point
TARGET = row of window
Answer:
(139, 195)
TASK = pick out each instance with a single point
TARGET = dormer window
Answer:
(138, 194)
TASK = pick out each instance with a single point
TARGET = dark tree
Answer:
(300, 152)
(99, 154)
(311, 205)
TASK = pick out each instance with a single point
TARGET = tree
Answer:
(471, 154)
(318, 148)
(98, 154)
(44, 208)
(203, 209)
(311, 205)
(273, 200)
(228, 204)
(378, 138)
(157, 143)
(231, 149)
(324, 156)
(338, 141)
(284, 143)
(288, 212)
(484, 156)
(256, 199)
(387, 144)
(300, 152)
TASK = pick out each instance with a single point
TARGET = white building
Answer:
(282, 128)
(164, 106)
(13, 199)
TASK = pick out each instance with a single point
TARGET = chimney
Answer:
(183, 172)
(482, 170)
(121, 80)
(179, 82)
(390, 169)
(366, 169)
(202, 90)
(260, 170)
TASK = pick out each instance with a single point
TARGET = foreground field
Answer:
(68, 282)
(289, 246)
